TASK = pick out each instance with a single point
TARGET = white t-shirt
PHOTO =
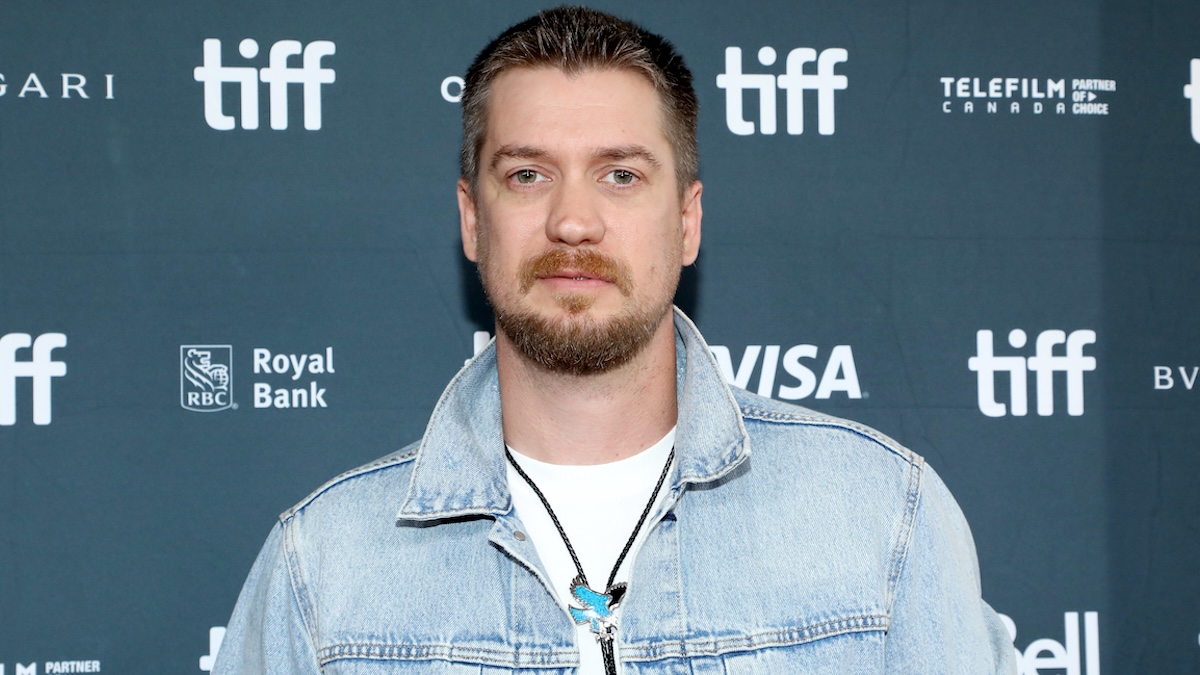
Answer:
(598, 506)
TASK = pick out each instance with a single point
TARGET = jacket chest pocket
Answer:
(849, 653)
(423, 667)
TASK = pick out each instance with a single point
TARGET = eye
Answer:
(621, 177)
(527, 176)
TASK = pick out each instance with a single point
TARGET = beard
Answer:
(577, 344)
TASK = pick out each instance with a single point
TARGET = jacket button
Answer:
(518, 535)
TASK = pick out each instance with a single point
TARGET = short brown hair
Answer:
(575, 39)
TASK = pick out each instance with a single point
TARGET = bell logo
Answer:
(1044, 364)
(1192, 91)
(794, 82)
(277, 74)
(1073, 655)
(40, 368)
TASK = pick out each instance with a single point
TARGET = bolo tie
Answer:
(597, 608)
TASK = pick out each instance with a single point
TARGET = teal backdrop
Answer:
(230, 268)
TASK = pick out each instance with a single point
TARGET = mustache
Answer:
(587, 262)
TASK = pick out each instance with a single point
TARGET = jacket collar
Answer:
(459, 468)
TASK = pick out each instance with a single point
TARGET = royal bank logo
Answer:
(284, 380)
(1026, 95)
(279, 74)
(40, 367)
(293, 366)
(1044, 364)
(206, 377)
(796, 79)
(1191, 91)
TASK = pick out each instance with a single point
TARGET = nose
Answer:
(575, 216)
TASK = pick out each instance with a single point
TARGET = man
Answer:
(590, 495)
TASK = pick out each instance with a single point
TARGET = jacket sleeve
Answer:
(267, 634)
(939, 621)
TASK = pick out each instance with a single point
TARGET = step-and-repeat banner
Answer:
(230, 268)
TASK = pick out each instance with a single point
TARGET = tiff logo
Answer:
(277, 74)
(40, 368)
(216, 635)
(1192, 91)
(794, 82)
(1044, 364)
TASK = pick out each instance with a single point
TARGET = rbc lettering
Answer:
(278, 75)
(1044, 364)
(208, 399)
(794, 82)
(40, 368)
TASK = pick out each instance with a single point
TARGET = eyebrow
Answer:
(627, 152)
(620, 153)
(516, 152)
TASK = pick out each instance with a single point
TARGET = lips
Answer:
(578, 266)
(575, 275)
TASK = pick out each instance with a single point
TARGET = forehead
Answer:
(545, 106)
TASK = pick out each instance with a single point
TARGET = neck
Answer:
(588, 419)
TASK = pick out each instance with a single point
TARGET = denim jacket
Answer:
(789, 542)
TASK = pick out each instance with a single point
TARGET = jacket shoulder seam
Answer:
(819, 420)
(396, 459)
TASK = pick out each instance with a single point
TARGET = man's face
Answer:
(577, 222)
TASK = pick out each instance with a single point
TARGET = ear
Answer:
(692, 214)
(468, 220)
